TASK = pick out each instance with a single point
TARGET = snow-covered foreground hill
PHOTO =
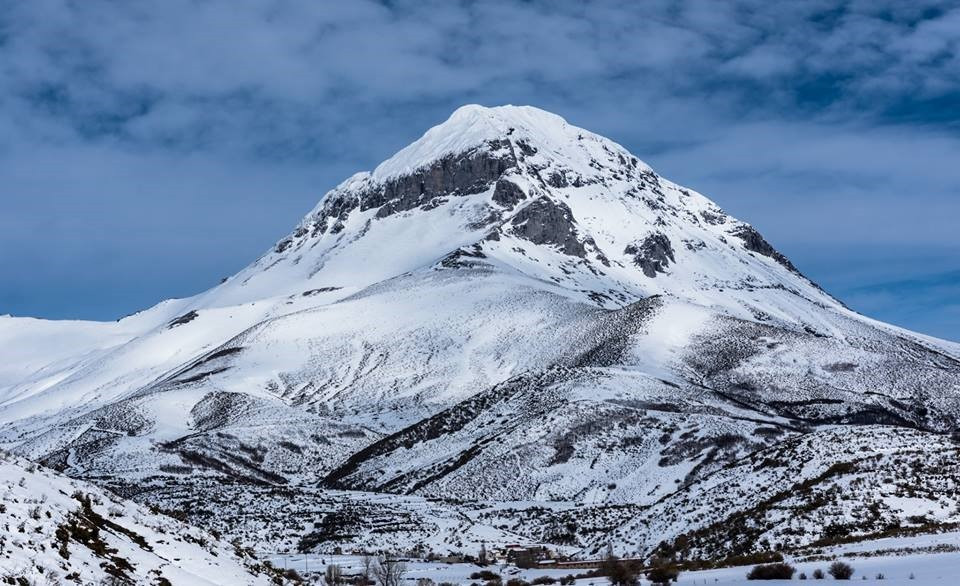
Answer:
(512, 331)
(58, 531)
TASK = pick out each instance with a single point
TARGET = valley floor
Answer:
(913, 561)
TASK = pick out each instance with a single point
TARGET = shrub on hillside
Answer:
(663, 571)
(618, 572)
(778, 571)
(840, 571)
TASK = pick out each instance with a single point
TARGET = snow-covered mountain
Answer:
(509, 309)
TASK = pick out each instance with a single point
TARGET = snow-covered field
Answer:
(943, 568)
(901, 561)
(875, 564)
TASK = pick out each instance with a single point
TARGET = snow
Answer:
(473, 125)
(87, 365)
(897, 569)
(666, 337)
(41, 502)
(37, 350)
(614, 399)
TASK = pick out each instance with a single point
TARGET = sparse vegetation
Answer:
(841, 570)
(662, 571)
(777, 571)
(617, 571)
(389, 571)
(332, 575)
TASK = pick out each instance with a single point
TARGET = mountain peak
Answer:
(521, 189)
(506, 116)
(472, 125)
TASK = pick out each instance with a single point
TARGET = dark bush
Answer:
(841, 571)
(778, 571)
(663, 574)
(293, 575)
(485, 575)
(543, 580)
(818, 574)
(618, 572)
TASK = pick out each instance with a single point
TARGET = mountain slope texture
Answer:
(512, 331)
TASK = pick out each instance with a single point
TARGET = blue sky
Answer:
(148, 149)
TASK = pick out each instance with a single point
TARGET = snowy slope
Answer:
(509, 309)
(835, 485)
(63, 530)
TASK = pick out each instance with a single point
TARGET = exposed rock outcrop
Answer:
(454, 175)
(753, 241)
(508, 194)
(652, 255)
(545, 221)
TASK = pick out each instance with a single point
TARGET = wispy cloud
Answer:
(930, 303)
(825, 123)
